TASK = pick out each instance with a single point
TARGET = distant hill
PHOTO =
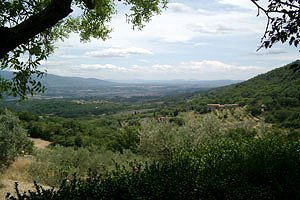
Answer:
(75, 87)
(278, 90)
(203, 83)
(54, 81)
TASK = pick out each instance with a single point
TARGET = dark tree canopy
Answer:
(30, 28)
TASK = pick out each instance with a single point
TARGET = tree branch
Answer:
(10, 38)
(268, 19)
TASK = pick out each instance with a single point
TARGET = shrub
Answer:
(176, 120)
(27, 116)
(13, 139)
(161, 139)
(59, 163)
(267, 168)
(125, 138)
(39, 130)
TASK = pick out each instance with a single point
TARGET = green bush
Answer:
(125, 138)
(176, 120)
(39, 130)
(267, 168)
(161, 139)
(13, 139)
(27, 116)
(58, 163)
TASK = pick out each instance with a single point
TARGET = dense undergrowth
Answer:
(220, 155)
(226, 168)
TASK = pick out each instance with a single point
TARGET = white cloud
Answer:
(217, 66)
(119, 52)
(246, 4)
(162, 68)
(180, 23)
(198, 44)
(102, 67)
(189, 23)
(207, 29)
(193, 69)
(180, 8)
(175, 36)
(197, 70)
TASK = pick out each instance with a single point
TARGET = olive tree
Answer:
(13, 139)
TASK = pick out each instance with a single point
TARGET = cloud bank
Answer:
(119, 52)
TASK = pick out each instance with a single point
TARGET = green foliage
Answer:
(27, 116)
(160, 139)
(266, 168)
(126, 138)
(41, 130)
(101, 132)
(116, 132)
(71, 108)
(13, 139)
(38, 48)
(177, 120)
(241, 133)
(58, 163)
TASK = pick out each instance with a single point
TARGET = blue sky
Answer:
(191, 40)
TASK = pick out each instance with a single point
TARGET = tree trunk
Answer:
(10, 38)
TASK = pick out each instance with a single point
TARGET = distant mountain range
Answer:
(204, 83)
(76, 87)
(54, 81)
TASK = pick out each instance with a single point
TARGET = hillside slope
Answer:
(278, 90)
(54, 81)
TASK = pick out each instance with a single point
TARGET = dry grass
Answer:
(17, 172)
(39, 143)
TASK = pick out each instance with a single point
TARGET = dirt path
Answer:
(19, 172)
(39, 143)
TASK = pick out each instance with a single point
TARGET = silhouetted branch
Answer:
(10, 38)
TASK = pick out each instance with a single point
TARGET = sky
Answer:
(191, 40)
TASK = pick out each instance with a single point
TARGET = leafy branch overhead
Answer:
(283, 21)
(30, 28)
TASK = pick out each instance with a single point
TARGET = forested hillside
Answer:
(278, 90)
